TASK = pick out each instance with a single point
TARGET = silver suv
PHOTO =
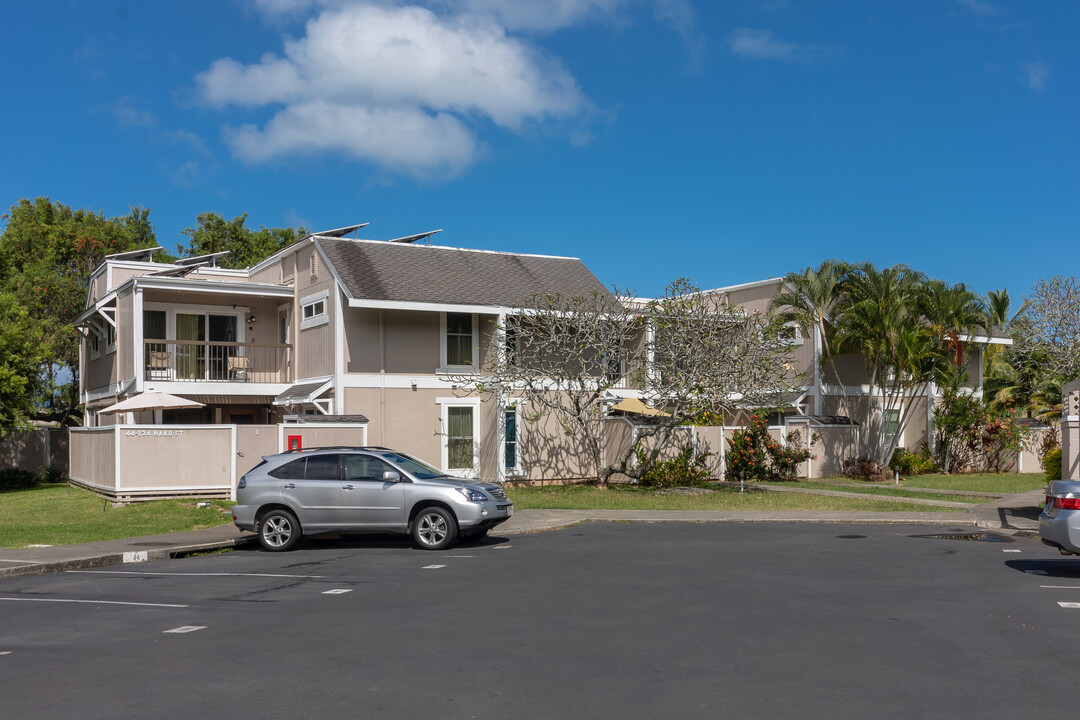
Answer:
(363, 489)
(1059, 523)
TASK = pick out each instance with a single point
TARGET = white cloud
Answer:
(407, 140)
(398, 86)
(1036, 74)
(979, 7)
(764, 45)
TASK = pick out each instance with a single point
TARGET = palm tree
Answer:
(952, 312)
(808, 299)
(879, 318)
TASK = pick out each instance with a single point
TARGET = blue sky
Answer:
(725, 141)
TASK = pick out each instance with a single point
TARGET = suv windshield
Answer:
(417, 468)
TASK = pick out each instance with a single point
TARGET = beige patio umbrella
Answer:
(633, 405)
(151, 400)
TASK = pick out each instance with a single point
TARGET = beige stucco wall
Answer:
(318, 436)
(315, 346)
(754, 298)
(157, 457)
(252, 443)
(406, 342)
(411, 341)
(125, 336)
(401, 419)
(362, 344)
(92, 455)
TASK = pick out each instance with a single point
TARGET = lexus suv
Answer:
(363, 489)
(1059, 523)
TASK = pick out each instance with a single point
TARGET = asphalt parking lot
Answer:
(595, 621)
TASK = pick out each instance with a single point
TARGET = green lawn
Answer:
(884, 489)
(979, 482)
(587, 497)
(59, 515)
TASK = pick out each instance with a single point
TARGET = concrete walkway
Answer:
(1015, 514)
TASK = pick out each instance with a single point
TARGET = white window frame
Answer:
(172, 310)
(94, 342)
(445, 403)
(797, 338)
(885, 425)
(512, 405)
(444, 366)
(312, 301)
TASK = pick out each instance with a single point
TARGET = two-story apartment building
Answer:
(329, 326)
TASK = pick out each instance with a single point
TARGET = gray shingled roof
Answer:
(299, 392)
(423, 273)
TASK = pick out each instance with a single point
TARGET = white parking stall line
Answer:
(1060, 587)
(432, 567)
(5, 652)
(1010, 550)
(461, 556)
(501, 547)
(184, 629)
(1036, 572)
(93, 602)
(137, 572)
(1070, 605)
(337, 591)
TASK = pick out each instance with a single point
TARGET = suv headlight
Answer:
(472, 495)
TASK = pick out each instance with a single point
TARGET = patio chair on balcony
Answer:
(239, 368)
(158, 364)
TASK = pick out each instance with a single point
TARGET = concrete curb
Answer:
(90, 559)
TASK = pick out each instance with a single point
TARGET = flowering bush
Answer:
(752, 453)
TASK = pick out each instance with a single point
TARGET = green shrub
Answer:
(683, 470)
(1052, 465)
(13, 479)
(909, 463)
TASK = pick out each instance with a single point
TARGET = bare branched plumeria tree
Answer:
(566, 359)
(1046, 331)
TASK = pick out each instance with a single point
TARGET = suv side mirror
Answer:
(391, 476)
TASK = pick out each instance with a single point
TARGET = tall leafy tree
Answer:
(21, 355)
(47, 253)
(213, 233)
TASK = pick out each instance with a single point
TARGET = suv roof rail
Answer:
(334, 447)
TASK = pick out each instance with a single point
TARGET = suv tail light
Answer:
(242, 484)
(1063, 503)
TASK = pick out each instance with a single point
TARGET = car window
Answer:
(290, 471)
(322, 467)
(364, 467)
(416, 468)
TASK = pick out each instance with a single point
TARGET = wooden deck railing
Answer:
(206, 361)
